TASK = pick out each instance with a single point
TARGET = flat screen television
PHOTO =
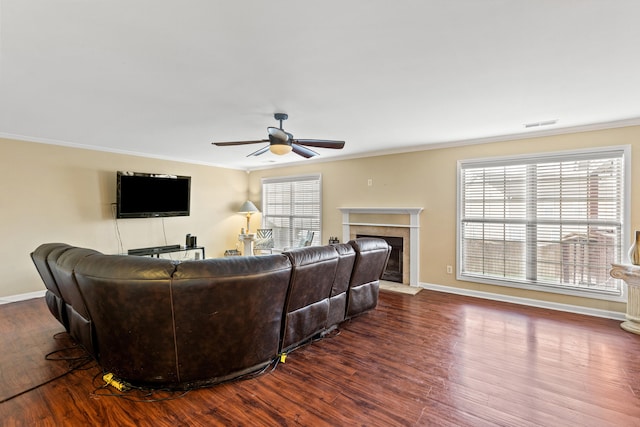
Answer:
(146, 195)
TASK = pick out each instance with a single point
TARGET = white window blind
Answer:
(551, 222)
(291, 206)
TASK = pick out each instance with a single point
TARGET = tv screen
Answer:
(145, 195)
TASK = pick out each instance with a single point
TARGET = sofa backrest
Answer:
(313, 270)
(62, 269)
(53, 297)
(346, 260)
(372, 255)
(340, 286)
(229, 310)
(189, 324)
(129, 302)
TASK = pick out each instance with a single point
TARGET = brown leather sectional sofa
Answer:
(159, 323)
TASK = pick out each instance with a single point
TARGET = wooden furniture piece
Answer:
(631, 275)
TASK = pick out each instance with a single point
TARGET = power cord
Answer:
(115, 221)
(134, 393)
(84, 360)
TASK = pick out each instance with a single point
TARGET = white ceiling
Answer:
(166, 78)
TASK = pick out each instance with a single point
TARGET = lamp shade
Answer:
(248, 208)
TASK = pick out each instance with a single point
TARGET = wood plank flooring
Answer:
(432, 359)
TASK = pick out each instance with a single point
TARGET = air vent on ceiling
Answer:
(538, 124)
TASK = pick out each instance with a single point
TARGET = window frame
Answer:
(623, 150)
(290, 179)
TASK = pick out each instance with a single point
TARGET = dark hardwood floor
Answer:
(430, 359)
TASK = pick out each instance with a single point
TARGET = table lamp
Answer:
(248, 208)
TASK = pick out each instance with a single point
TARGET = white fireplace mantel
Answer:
(399, 211)
(413, 226)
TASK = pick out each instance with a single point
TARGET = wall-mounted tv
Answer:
(146, 195)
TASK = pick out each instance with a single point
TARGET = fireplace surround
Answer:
(393, 222)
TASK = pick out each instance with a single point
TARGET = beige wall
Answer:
(52, 193)
(428, 179)
(60, 194)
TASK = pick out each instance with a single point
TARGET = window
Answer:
(549, 222)
(291, 207)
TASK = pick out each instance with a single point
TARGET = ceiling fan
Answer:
(282, 142)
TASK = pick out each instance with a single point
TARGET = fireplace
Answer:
(394, 270)
(385, 223)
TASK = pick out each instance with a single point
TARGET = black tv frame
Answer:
(148, 195)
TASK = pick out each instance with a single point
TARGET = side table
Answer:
(248, 240)
(631, 275)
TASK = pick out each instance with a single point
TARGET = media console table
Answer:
(156, 251)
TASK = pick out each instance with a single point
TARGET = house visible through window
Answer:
(548, 222)
(291, 206)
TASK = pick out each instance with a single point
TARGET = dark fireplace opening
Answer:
(393, 272)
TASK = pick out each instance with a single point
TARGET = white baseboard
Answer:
(22, 297)
(607, 314)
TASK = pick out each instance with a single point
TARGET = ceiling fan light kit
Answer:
(282, 142)
(280, 149)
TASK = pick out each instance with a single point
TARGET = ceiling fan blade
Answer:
(320, 143)
(303, 151)
(224, 144)
(278, 134)
(260, 151)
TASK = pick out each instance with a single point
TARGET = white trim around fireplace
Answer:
(413, 226)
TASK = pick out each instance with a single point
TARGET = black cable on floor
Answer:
(75, 368)
(175, 394)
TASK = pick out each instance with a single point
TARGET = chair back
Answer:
(264, 241)
(306, 239)
(264, 238)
